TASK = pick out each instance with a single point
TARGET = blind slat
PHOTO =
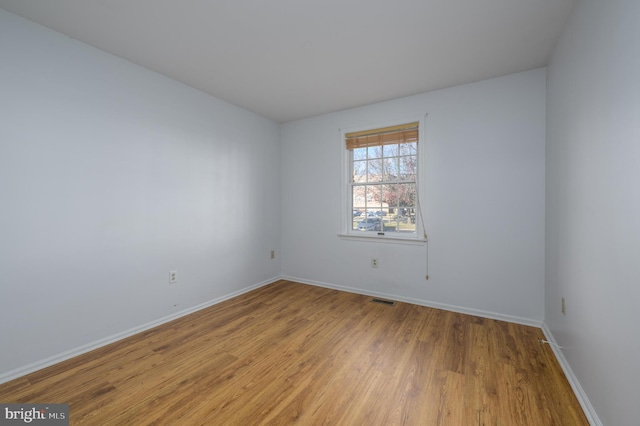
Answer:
(404, 133)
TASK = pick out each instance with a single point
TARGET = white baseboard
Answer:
(421, 302)
(588, 409)
(47, 362)
(573, 381)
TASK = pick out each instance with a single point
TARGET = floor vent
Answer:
(384, 302)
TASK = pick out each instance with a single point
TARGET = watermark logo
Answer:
(35, 414)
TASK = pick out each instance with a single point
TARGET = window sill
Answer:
(384, 239)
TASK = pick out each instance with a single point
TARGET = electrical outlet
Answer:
(564, 307)
(374, 262)
(173, 277)
(273, 254)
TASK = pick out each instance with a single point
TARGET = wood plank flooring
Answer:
(290, 353)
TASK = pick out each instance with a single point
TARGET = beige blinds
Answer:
(403, 133)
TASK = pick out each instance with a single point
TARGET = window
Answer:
(382, 171)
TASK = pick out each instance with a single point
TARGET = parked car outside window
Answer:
(370, 224)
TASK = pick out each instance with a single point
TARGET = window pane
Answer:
(407, 169)
(373, 199)
(389, 196)
(390, 224)
(407, 205)
(359, 171)
(406, 221)
(406, 195)
(374, 170)
(375, 152)
(368, 223)
(360, 153)
(359, 197)
(390, 150)
(408, 148)
(358, 204)
(390, 169)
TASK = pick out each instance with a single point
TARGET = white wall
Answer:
(593, 202)
(110, 176)
(484, 203)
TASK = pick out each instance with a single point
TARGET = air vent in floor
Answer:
(384, 302)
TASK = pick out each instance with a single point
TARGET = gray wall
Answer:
(111, 176)
(593, 203)
(483, 205)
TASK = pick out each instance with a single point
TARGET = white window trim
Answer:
(346, 197)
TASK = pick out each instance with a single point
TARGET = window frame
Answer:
(347, 197)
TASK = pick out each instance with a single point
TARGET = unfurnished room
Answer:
(420, 212)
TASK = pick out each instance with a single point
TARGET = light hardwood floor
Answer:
(292, 353)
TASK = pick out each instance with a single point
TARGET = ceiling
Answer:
(292, 59)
